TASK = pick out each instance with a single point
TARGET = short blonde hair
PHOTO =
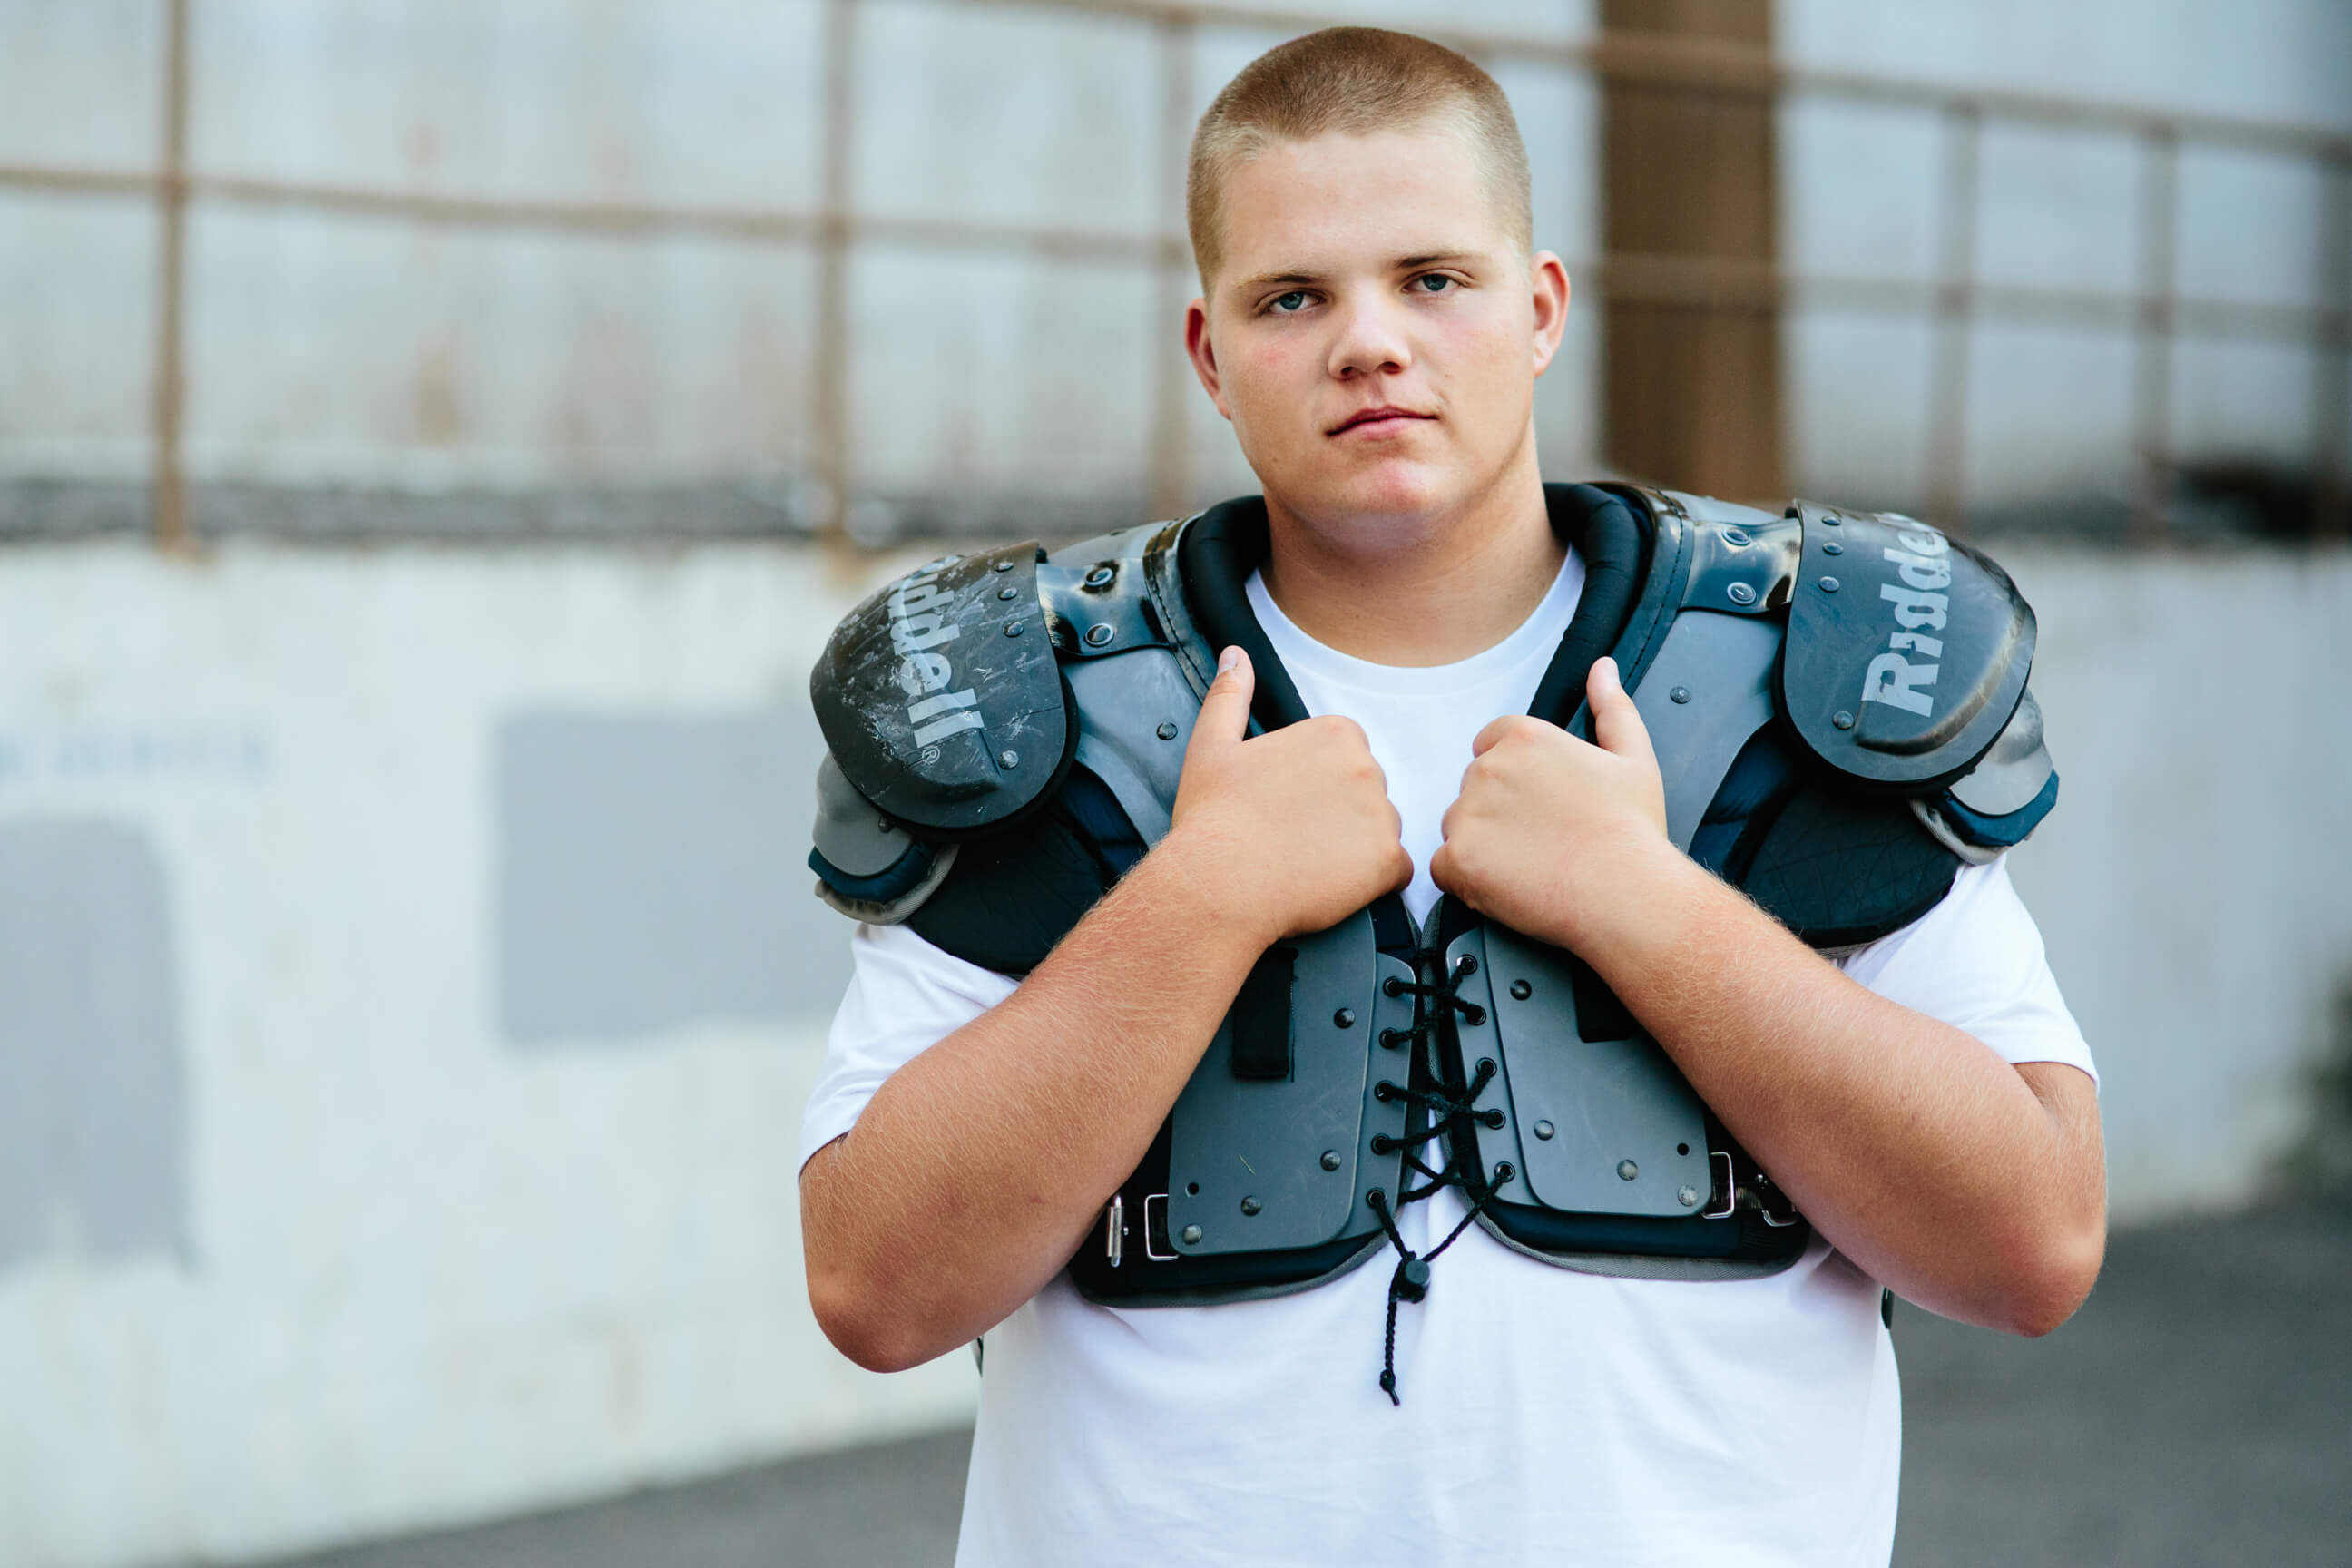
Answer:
(1353, 81)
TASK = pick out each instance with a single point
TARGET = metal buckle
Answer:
(1114, 1227)
(1770, 1219)
(1730, 1185)
(1162, 1199)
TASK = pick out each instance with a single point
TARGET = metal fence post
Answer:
(170, 497)
(2155, 322)
(1172, 458)
(1948, 389)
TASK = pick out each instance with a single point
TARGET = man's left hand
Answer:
(1553, 836)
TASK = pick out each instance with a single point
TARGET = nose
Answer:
(1370, 340)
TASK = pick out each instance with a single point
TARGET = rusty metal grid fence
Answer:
(2154, 312)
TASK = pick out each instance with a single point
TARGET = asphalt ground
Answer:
(2197, 1411)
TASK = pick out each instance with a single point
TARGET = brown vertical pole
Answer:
(1171, 373)
(1693, 390)
(830, 397)
(170, 499)
(1947, 387)
(2159, 206)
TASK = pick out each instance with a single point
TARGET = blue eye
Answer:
(1434, 282)
(1289, 304)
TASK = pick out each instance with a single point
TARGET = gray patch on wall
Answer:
(652, 871)
(93, 1099)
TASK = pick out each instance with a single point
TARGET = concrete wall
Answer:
(409, 989)
(409, 986)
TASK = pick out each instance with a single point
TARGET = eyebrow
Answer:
(1402, 264)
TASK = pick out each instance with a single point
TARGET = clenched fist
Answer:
(1295, 826)
(1554, 836)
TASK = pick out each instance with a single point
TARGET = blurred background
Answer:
(435, 438)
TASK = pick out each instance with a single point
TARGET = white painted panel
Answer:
(999, 375)
(696, 101)
(1007, 117)
(80, 82)
(344, 349)
(77, 376)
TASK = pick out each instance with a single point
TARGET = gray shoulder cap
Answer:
(941, 698)
(1908, 653)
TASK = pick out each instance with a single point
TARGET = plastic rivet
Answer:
(1099, 634)
(1008, 592)
(1251, 1206)
(1740, 593)
(1735, 537)
(1545, 1130)
(1014, 628)
(1521, 990)
(1841, 719)
(1680, 694)
(1832, 547)
(1001, 566)
(1167, 731)
(1686, 1197)
(1008, 760)
(1191, 1235)
(1829, 585)
(1627, 1170)
(1330, 1158)
(1829, 519)
(1100, 576)
(884, 825)
(1345, 1018)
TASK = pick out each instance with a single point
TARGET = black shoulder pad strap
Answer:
(1906, 653)
(941, 698)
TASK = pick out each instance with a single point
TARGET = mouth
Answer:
(1378, 421)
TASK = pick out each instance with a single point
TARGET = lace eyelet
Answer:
(1384, 1091)
(1391, 986)
(1382, 1143)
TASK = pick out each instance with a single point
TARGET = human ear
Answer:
(1548, 277)
(1204, 355)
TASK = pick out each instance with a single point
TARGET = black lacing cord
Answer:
(1450, 1115)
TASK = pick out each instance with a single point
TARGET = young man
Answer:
(1276, 1054)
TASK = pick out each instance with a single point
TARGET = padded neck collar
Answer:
(1221, 548)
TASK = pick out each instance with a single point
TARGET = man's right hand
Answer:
(1297, 823)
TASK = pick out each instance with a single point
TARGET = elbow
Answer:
(2053, 1280)
(857, 1319)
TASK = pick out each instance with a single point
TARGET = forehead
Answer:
(1337, 202)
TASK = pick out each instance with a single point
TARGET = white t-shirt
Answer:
(1549, 1418)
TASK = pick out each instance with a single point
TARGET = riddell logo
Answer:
(918, 628)
(1925, 564)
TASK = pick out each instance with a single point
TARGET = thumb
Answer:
(1617, 725)
(1225, 710)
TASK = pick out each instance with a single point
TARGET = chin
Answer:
(1391, 489)
(1373, 490)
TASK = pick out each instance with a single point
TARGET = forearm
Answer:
(979, 1165)
(1938, 1167)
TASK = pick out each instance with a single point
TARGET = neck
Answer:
(1423, 589)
